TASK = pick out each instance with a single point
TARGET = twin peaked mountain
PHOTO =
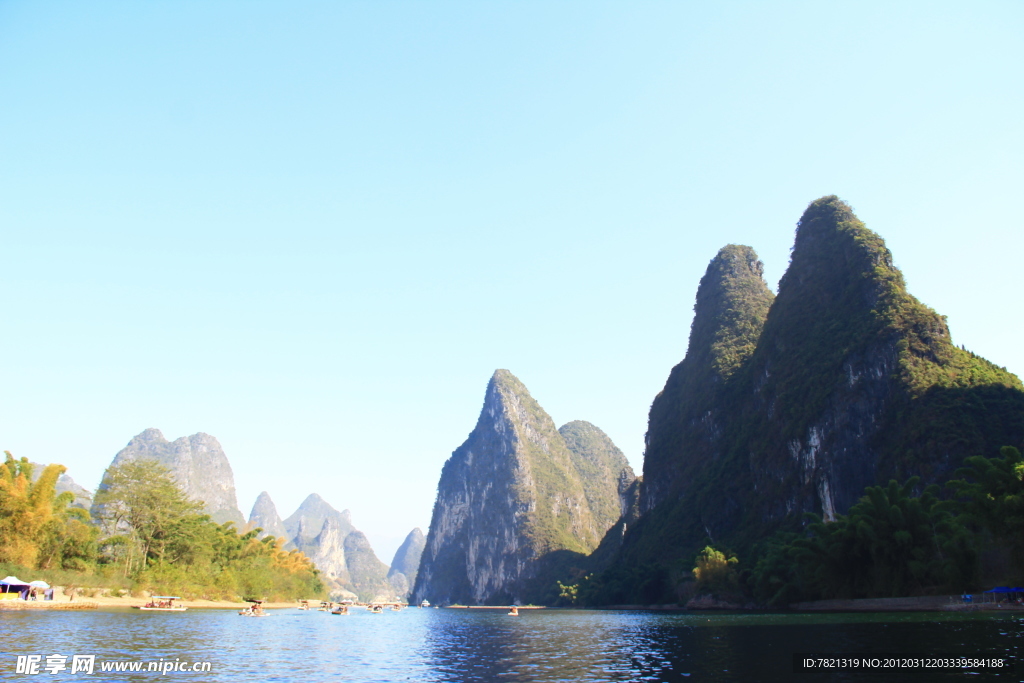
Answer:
(795, 403)
(516, 499)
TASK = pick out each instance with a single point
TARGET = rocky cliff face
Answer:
(197, 463)
(406, 563)
(340, 551)
(264, 516)
(305, 525)
(508, 498)
(368, 574)
(847, 381)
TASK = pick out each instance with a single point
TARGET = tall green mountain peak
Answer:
(729, 314)
(510, 501)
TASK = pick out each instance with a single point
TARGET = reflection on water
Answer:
(484, 645)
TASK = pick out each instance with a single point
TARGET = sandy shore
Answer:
(61, 601)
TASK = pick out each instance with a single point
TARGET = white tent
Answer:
(12, 584)
(13, 581)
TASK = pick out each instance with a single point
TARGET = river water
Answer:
(483, 645)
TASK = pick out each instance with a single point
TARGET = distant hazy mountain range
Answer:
(341, 552)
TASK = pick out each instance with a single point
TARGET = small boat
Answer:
(255, 609)
(162, 603)
(375, 609)
(513, 611)
(303, 605)
(396, 607)
(325, 606)
(425, 603)
(340, 609)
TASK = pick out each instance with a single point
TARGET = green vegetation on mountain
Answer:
(732, 303)
(546, 473)
(514, 511)
(799, 404)
(603, 470)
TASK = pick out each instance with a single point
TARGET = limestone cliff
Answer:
(406, 563)
(340, 551)
(264, 516)
(305, 525)
(508, 501)
(197, 463)
(368, 574)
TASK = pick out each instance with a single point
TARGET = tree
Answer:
(991, 496)
(37, 528)
(143, 510)
(891, 543)
(716, 573)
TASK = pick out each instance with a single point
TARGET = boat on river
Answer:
(255, 609)
(161, 603)
(340, 609)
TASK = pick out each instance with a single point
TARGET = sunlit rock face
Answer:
(264, 516)
(509, 497)
(341, 552)
(197, 463)
(406, 563)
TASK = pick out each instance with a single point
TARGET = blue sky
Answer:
(314, 229)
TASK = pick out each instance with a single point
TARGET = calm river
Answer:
(483, 645)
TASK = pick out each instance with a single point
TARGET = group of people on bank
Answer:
(13, 588)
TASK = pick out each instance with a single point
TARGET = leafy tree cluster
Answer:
(159, 537)
(149, 536)
(716, 573)
(894, 543)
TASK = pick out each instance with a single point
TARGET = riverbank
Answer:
(932, 603)
(62, 601)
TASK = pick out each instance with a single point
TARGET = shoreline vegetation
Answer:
(142, 536)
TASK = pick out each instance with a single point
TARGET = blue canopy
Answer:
(1004, 589)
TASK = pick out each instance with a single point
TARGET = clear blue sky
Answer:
(314, 229)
